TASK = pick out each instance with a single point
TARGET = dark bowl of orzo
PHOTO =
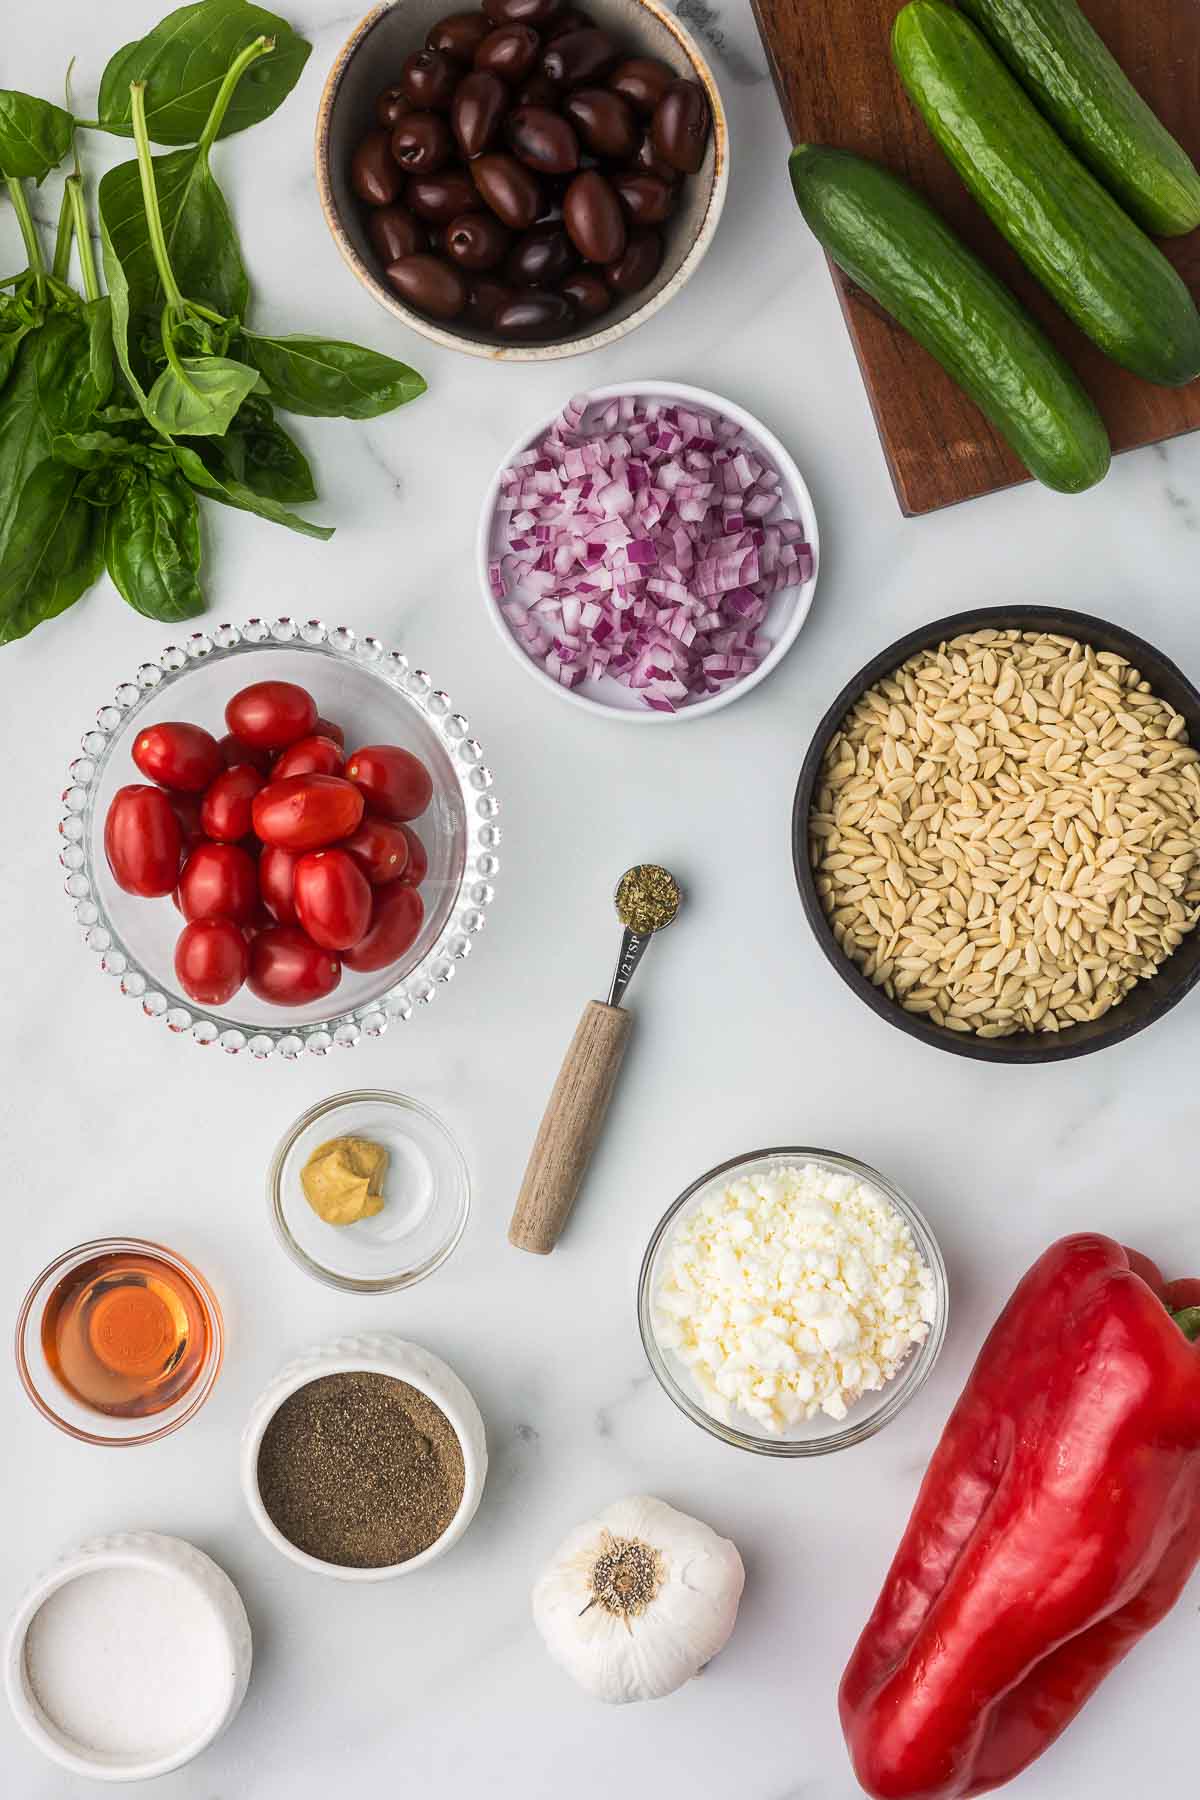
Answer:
(996, 834)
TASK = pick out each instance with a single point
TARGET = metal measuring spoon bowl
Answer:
(647, 899)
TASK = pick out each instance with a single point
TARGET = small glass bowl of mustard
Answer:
(119, 1341)
(424, 1188)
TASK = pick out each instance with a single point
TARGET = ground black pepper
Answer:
(361, 1470)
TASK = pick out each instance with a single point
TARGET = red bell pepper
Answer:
(1058, 1521)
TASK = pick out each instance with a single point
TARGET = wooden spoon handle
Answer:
(570, 1127)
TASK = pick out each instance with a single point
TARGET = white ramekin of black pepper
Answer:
(364, 1459)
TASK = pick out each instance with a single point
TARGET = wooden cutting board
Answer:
(832, 67)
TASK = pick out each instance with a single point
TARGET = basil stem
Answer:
(33, 248)
(154, 229)
(262, 46)
(73, 192)
(60, 268)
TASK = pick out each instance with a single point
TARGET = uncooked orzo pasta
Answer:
(1006, 832)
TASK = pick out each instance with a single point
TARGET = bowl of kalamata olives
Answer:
(523, 180)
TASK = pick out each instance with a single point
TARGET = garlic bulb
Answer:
(636, 1601)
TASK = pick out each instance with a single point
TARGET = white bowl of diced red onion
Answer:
(650, 553)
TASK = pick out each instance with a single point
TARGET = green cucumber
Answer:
(1101, 268)
(1080, 86)
(892, 243)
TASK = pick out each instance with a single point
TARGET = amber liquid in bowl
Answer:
(125, 1333)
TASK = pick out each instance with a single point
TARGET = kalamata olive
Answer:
(391, 106)
(429, 284)
(373, 172)
(459, 35)
(479, 104)
(643, 81)
(509, 52)
(680, 126)
(537, 91)
(593, 218)
(605, 122)
(646, 198)
(543, 139)
(484, 301)
(476, 241)
(588, 294)
(571, 18)
(638, 264)
(508, 188)
(534, 315)
(395, 233)
(541, 258)
(429, 78)
(647, 161)
(421, 143)
(439, 198)
(579, 57)
(521, 12)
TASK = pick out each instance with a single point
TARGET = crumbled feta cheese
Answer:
(792, 1292)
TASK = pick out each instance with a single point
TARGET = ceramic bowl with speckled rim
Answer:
(370, 59)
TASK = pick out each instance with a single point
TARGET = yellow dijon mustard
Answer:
(343, 1180)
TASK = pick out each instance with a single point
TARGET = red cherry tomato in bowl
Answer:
(309, 756)
(418, 858)
(225, 809)
(270, 715)
(288, 969)
(235, 754)
(395, 783)
(330, 729)
(178, 756)
(333, 898)
(186, 808)
(380, 849)
(276, 873)
(142, 841)
(306, 812)
(219, 881)
(212, 960)
(395, 922)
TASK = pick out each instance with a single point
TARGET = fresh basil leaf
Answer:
(202, 401)
(152, 548)
(74, 366)
(104, 487)
(11, 338)
(34, 136)
(231, 492)
(257, 451)
(51, 553)
(183, 62)
(97, 315)
(25, 431)
(92, 449)
(122, 314)
(201, 242)
(326, 379)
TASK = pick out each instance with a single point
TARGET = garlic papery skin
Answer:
(635, 1602)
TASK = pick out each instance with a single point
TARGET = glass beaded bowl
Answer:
(379, 698)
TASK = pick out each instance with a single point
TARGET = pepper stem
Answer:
(1188, 1321)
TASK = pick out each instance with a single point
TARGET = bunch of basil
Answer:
(117, 409)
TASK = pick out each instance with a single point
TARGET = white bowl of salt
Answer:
(128, 1657)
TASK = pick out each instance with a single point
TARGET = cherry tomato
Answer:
(333, 898)
(142, 841)
(225, 809)
(327, 728)
(212, 960)
(394, 782)
(306, 812)
(270, 715)
(288, 969)
(276, 870)
(395, 922)
(186, 808)
(309, 756)
(179, 756)
(380, 849)
(418, 858)
(236, 753)
(219, 881)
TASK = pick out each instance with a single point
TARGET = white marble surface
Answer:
(438, 1685)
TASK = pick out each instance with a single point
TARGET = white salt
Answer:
(127, 1662)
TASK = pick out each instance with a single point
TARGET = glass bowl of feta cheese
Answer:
(792, 1301)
